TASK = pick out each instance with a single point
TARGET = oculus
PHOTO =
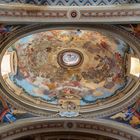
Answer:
(70, 58)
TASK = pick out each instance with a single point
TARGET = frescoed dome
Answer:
(70, 71)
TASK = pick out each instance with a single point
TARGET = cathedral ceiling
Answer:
(70, 70)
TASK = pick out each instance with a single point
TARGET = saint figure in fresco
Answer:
(130, 116)
(6, 115)
(4, 29)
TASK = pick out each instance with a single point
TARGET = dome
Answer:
(70, 71)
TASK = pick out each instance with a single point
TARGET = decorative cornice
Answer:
(42, 125)
(22, 13)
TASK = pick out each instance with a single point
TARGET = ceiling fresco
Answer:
(132, 28)
(10, 114)
(71, 2)
(130, 115)
(70, 71)
(6, 114)
(70, 68)
(6, 30)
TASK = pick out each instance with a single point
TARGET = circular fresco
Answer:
(70, 58)
(70, 69)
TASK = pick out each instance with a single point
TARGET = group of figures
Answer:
(99, 76)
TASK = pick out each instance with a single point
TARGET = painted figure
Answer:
(6, 115)
(130, 116)
(4, 29)
(133, 28)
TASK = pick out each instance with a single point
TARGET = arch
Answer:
(38, 125)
